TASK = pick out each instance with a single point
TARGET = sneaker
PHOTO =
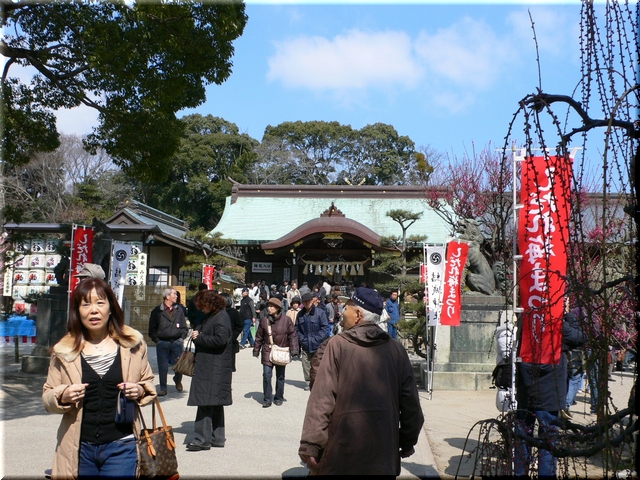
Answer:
(278, 402)
(307, 388)
(162, 393)
(266, 404)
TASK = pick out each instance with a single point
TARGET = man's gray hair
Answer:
(166, 292)
(368, 316)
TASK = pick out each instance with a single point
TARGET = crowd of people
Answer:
(101, 360)
(363, 414)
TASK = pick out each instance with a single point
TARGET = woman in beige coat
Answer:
(99, 358)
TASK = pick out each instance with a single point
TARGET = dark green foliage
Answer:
(415, 328)
(137, 64)
(212, 248)
(322, 153)
(211, 150)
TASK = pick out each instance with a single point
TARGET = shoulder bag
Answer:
(187, 361)
(278, 355)
(157, 448)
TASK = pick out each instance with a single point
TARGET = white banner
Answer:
(119, 262)
(435, 283)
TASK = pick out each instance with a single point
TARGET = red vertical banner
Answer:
(423, 273)
(543, 234)
(452, 296)
(208, 272)
(81, 253)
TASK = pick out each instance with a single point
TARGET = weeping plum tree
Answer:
(600, 117)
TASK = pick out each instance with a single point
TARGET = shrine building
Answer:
(307, 232)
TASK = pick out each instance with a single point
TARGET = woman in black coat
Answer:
(211, 385)
(284, 335)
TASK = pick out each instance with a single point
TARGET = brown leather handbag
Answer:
(157, 448)
(187, 361)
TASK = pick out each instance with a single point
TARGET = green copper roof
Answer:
(261, 213)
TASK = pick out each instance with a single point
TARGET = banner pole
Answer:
(69, 271)
(434, 347)
(425, 297)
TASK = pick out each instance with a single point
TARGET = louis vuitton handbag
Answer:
(187, 361)
(278, 355)
(157, 448)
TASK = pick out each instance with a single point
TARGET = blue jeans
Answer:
(546, 462)
(168, 353)
(267, 389)
(246, 333)
(392, 329)
(572, 387)
(114, 459)
(592, 376)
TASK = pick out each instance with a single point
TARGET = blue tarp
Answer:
(19, 325)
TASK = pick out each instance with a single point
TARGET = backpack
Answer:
(501, 375)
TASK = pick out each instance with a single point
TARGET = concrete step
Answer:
(472, 357)
(458, 380)
(464, 367)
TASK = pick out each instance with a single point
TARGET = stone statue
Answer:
(500, 275)
(479, 277)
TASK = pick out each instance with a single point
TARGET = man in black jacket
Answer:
(248, 315)
(168, 329)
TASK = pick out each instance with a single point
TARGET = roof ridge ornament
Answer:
(332, 211)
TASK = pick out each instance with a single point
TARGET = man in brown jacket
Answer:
(363, 412)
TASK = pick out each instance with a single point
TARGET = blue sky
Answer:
(446, 75)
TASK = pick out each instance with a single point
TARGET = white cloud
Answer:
(451, 65)
(555, 28)
(357, 60)
(78, 121)
(468, 53)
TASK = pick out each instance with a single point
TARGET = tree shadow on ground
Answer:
(21, 395)
(462, 464)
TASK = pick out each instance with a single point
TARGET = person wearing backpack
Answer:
(573, 341)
